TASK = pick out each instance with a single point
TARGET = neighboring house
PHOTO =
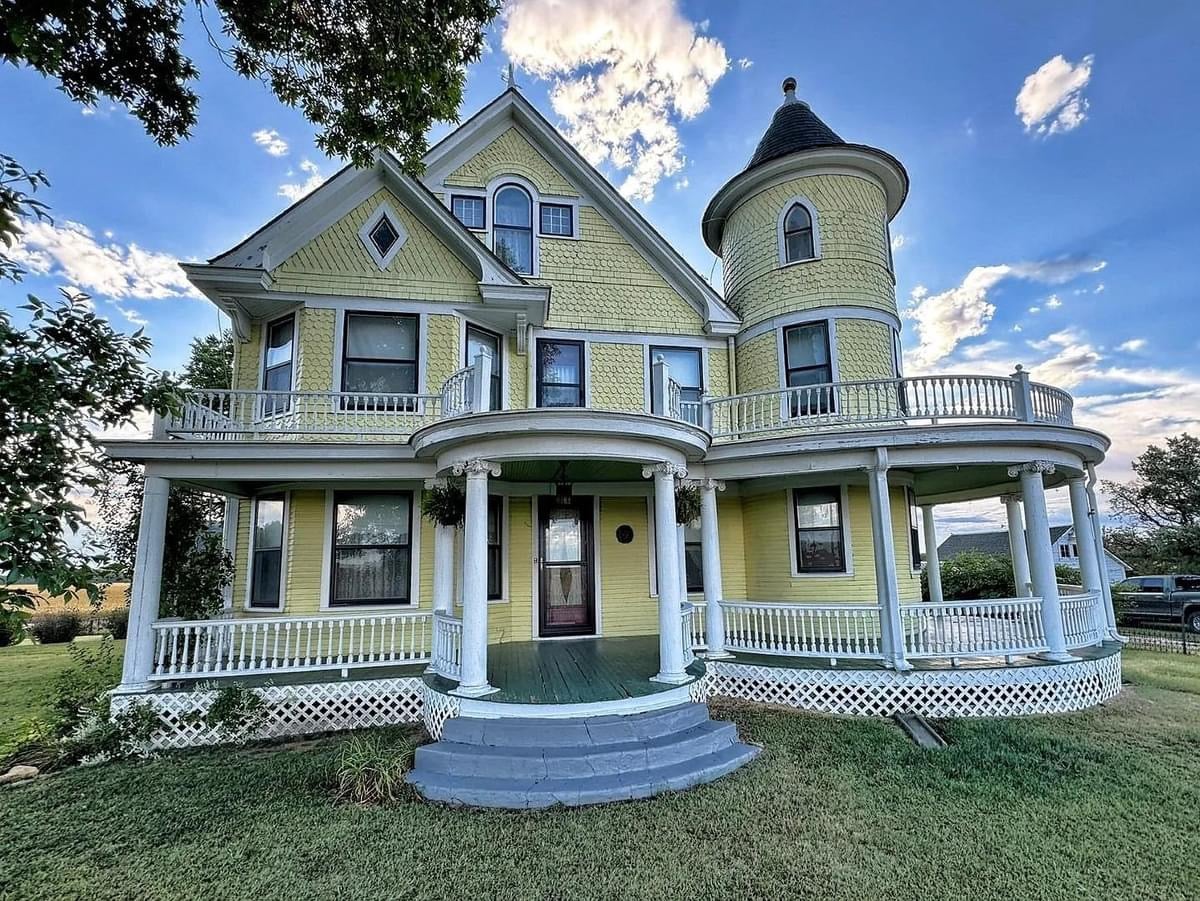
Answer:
(511, 322)
(1062, 539)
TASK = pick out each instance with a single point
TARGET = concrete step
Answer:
(482, 791)
(575, 732)
(610, 758)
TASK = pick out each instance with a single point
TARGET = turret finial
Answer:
(789, 90)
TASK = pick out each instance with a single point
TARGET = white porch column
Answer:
(474, 681)
(886, 583)
(666, 547)
(681, 563)
(443, 568)
(1089, 566)
(1110, 613)
(147, 581)
(710, 556)
(1041, 557)
(933, 566)
(1018, 550)
(229, 543)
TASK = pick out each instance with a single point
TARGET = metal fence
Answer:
(1170, 639)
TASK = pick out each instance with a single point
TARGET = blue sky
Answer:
(1065, 240)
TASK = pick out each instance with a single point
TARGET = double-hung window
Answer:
(817, 522)
(692, 557)
(266, 564)
(379, 357)
(372, 549)
(560, 374)
(277, 365)
(495, 547)
(512, 230)
(470, 211)
(480, 340)
(914, 529)
(685, 370)
(806, 362)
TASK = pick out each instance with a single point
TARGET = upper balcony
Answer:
(834, 407)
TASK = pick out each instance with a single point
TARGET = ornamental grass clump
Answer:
(371, 768)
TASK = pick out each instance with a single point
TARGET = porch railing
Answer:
(447, 646)
(1081, 616)
(804, 630)
(694, 626)
(457, 393)
(991, 628)
(240, 647)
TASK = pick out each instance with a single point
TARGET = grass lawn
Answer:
(1098, 804)
(27, 674)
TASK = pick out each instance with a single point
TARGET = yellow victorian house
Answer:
(637, 493)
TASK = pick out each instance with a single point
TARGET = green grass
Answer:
(1097, 804)
(1177, 672)
(27, 674)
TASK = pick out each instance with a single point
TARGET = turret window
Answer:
(799, 235)
(512, 232)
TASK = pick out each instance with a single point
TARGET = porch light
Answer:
(562, 488)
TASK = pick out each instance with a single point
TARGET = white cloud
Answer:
(624, 73)
(681, 183)
(1053, 302)
(1035, 310)
(1133, 345)
(294, 191)
(270, 141)
(745, 63)
(1099, 289)
(898, 241)
(132, 316)
(70, 251)
(1051, 99)
(943, 320)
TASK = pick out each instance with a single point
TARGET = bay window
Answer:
(560, 374)
(379, 356)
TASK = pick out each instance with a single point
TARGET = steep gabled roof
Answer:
(512, 107)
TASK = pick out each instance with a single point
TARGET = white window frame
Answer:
(790, 520)
(283, 553)
(648, 363)
(816, 231)
(414, 568)
(465, 323)
(339, 344)
(294, 315)
(382, 260)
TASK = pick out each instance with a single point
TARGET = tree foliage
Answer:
(1160, 509)
(63, 379)
(210, 363)
(367, 73)
(17, 185)
(975, 576)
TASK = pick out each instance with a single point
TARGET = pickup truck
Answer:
(1163, 599)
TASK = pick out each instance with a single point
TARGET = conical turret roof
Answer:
(794, 127)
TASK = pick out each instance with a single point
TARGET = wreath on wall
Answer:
(687, 504)
(445, 504)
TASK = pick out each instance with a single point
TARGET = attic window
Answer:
(383, 235)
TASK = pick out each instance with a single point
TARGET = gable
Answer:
(511, 154)
(337, 261)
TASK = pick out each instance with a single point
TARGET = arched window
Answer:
(799, 242)
(512, 231)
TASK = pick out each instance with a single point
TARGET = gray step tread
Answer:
(575, 731)
(532, 793)
(463, 759)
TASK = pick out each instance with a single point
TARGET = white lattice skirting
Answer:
(291, 709)
(1013, 691)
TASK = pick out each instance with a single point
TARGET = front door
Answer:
(566, 603)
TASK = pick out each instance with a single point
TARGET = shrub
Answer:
(235, 712)
(687, 504)
(12, 626)
(1068, 575)
(116, 622)
(974, 576)
(55, 626)
(446, 504)
(371, 770)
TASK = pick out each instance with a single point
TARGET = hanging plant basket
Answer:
(445, 504)
(687, 504)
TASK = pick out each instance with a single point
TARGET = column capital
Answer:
(1010, 499)
(476, 468)
(439, 482)
(1041, 467)
(672, 469)
(708, 484)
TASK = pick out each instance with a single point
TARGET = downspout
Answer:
(1098, 537)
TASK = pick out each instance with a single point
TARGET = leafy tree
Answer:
(15, 205)
(368, 73)
(210, 364)
(64, 378)
(974, 576)
(1160, 507)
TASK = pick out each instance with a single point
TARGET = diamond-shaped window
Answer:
(384, 235)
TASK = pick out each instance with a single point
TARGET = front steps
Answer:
(529, 763)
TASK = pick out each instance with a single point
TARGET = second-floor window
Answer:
(379, 354)
(683, 368)
(277, 363)
(560, 374)
(512, 229)
(470, 211)
(482, 340)
(798, 243)
(806, 361)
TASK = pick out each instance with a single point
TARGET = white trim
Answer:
(392, 305)
(285, 540)
(603, 337)
(264, 336)
(659, 700)
(364, 234)
(810, 207)
(801, 317)
(844, 516)
(414, 546)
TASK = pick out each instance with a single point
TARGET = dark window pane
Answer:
(799, 246)
(556, 219)
(264, 581)
(820, 549)
(380, 378)
(384, 235)
(695, 570)
(560, 363)
(797, 218)
(370, 575)
(279, 343)
(1155, 585)
(561, 396)
(494, 574)
(469, 211)
(817, 516)
(381, 337)
(514, 246)
(807, 345)
(278, 378)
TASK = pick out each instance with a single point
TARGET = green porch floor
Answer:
(578, 671)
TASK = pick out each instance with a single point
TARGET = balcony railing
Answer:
(833, 406)
(993, 628)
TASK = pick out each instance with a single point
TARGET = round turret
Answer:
(803, 236)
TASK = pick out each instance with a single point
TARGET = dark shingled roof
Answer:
(986, 542)
(794, 127)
